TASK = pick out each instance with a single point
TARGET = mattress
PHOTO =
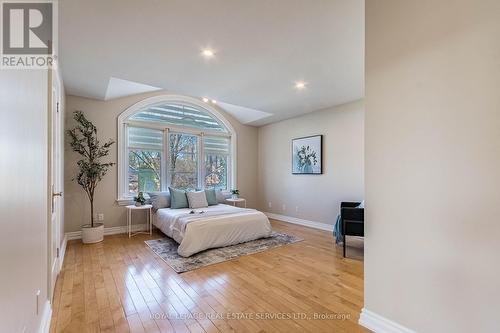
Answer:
(211, 227)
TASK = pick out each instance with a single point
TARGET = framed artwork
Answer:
(307, 155)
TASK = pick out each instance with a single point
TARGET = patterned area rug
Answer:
(166, 248)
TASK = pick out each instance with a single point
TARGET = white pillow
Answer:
(221, 196)
(159, 200)
(197, 199)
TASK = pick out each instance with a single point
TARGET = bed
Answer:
(210, 227)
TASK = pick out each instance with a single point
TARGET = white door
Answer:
(55, 156)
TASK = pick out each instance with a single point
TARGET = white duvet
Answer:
(210, 227)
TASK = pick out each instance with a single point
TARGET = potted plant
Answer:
(235, 193)
(91, 168)
(139, 199)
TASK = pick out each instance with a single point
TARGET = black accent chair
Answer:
(352, 220)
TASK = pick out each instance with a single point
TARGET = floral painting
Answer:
(306, 155)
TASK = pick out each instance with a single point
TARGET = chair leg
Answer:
(343, 236)
(343, 242)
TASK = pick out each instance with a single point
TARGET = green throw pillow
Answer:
(211, 197)
(178, 198)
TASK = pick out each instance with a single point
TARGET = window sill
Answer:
(125, 201)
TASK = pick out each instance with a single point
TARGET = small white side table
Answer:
(147, 208)
(234, 201)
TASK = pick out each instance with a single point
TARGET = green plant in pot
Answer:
(235, 193)
(139, 199)
(91, 168)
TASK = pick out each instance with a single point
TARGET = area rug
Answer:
(166, 248)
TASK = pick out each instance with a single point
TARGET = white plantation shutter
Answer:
(145, 139)
(179, 115)
(216, 145)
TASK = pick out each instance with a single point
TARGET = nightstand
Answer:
(147, 208)
(234, 201)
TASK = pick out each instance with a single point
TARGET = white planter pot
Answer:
(92, 235)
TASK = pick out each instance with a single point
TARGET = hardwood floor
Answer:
(119, 285)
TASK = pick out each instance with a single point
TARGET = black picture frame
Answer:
(295, 170)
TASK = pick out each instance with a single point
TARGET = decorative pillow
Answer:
(178, 198)
(197, 199)
(211, 197)
(159, 200)
(222, 196)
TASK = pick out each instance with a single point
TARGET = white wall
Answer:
(104, 115)
(23, 200)
(313, 197)
(432, 164)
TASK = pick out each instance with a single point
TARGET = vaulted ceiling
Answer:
(112, 48)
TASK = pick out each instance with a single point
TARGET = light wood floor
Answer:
(119, 285)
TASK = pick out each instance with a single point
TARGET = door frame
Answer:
(55, 181)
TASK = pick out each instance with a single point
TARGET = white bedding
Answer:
(219, 225)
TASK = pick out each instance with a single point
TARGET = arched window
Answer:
(175, 141)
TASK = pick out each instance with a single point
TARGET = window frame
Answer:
(228, 162)
(123, 122)
(128, 149)
(199, 176)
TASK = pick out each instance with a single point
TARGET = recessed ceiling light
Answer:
(214, 101)
(207, 53)
(205, 99)
(300, 84)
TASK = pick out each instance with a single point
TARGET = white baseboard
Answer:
(379, 324)
(108, 231)
(295, 220)
(46, 317)
(62, 252)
